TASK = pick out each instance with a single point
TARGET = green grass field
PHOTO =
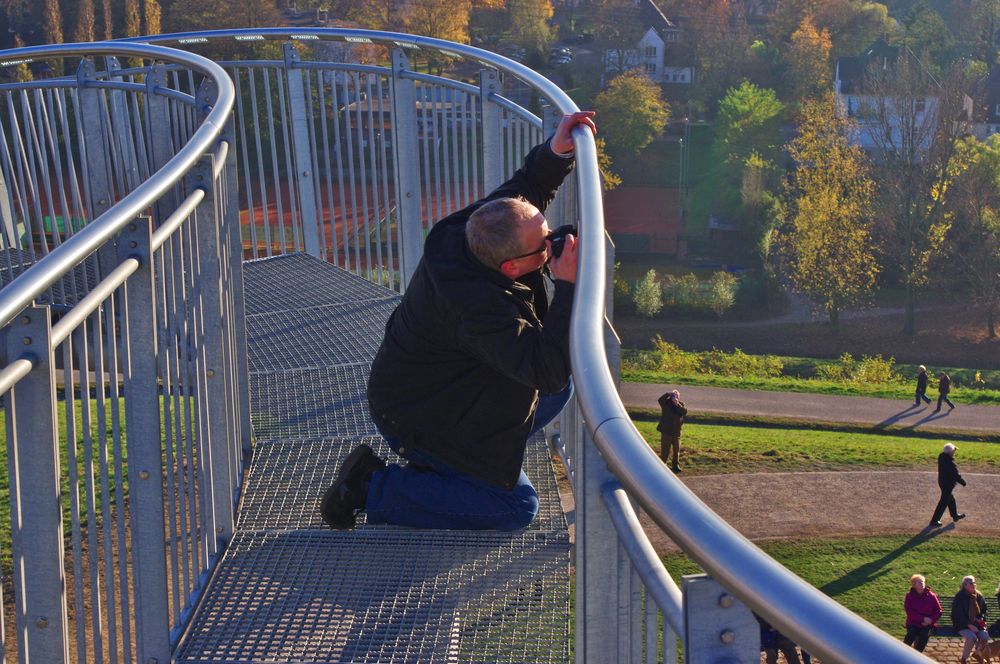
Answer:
(710, 448)
(959, 395)
(870, 576)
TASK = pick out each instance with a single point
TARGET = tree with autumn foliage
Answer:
(808, 60)
(632, 112)
(973, 254)
(529, 23)
(828, 243)
(52, 31)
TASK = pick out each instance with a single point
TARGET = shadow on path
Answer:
(874, 569)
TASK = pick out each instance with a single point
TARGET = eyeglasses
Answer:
(545, 246)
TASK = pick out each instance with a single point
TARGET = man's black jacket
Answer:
(948, 472)
(465, 352)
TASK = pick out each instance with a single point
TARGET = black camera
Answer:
(558, 238)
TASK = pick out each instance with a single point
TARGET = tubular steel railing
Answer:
(125, 421)
(351, 162)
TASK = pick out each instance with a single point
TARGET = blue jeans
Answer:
(428, 493)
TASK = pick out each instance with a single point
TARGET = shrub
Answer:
(741, 365)
(683, 292)
(722, 292)
(622, 293)
(647, 296)
(672, 359)
(870, 370)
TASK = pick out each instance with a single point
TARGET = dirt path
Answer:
(882, 413)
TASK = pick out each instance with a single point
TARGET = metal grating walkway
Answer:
(290, 590)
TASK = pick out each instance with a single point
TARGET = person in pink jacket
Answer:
(922, 612)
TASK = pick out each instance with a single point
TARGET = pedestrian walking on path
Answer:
(922, 386)
(948, 477)
(944, 387)
(672, 412)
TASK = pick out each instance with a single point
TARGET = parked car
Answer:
(560, 51)
(560, 60)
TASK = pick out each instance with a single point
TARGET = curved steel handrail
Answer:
(39, 277)
(814, 620)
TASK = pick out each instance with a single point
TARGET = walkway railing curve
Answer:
(125, 421)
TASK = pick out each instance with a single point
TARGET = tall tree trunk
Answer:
(834, 312)
(909, 319)
(991, 328)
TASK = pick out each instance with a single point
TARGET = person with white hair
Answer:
(948, 477)
(968, 616)
(922, 386)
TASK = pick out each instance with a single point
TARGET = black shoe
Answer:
(959, 517)
(675, 468)
(935, 524)
(937, 410)
(348, 493)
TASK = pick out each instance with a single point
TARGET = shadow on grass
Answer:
(870, 571)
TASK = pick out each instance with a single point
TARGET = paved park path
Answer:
(867, 411)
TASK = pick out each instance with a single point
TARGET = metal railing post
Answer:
(491, 129)
(158, 131)
(597, 560)
(142, 438)
(219, 406)
(302, 151)
(95, 147)
(718, 627)
(122, 130)
(558, 210)
(231, 222)
(36, 502)
(406, 167)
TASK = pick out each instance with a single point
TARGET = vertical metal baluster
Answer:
(111, 350)
(405, 135)
(36, 514)
(439, 131)
(171, 462)
(92, 142)
(477, 148)
(303, 173)
(379, 178)
(373, 233)
(426, 133)
(314, 161)
(93, 548)
(241, 122)
(464, 154)
(218, 405)
(447, 150)
(349, 135)
(290, 172)
(23, 176)
(140, 136)
(651, 630)
(329, 253)
(387, 152)
(158, 128)
(15, 193)
(509, 135)
(623, 624)
(31, 162)
(276, 179)
(74, 181)
(265, 206)
(359, 117)
(145, 460)
(121, 125)
(635, 611)
(339, 145)
(185, 321)
(492, 131)
(73, 470)
(669, 642)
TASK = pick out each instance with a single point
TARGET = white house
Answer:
(654, 47)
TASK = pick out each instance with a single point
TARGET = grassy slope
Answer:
(814, 386)
(870, 576)
(710, 448)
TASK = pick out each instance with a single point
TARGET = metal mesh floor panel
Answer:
(318, 336)
(290, 590)
(296, 281)
(289, 477)
(385, 595)
(311, 403)
(67, 291)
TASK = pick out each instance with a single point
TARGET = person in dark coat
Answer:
(968, 616)
(922, 612)
(948, 477)
(454, 387)
(672, 413)
(944, 388)
(922, 386)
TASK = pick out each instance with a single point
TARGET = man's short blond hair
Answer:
(493, 230)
